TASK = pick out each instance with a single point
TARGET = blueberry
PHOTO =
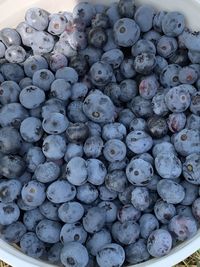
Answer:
(87, 193)
(195, 104)
(31, 97)
(183, 227)
(116, 181)
(113, 13)
(114, 57)
(94, 128)
(184, 210)
(195, 209)
(60, 89)
(191, 193)
(110, 44)
(161, 63)
(125, 196)
(125, 116)
(159, 243)
(140, 198)
(79, 63)
(33, 64)
(139, 142)
(193, 122)
(97, 241)
(164, 211)
(12, 72)
(157, 20)
(148, 223)
(9, 213)
(74, 254)
(97, 37)
(60, 191)
(126, 32)
(12, 166)
(127, 68)
(152, 36)
(10, 140)
(137, 252)
(48, 231)
(33, 193)
(55, 123)
(76, 171)
(33, 158)
(71, 212)
(113, 131)
(111, 254)
(178, 99)
(144, 17)
(167, 46)
(91, 55)
(73, 232)
(128, 90)
(26, 33)
(49, 210)
(31, 218)
(169, 76)
(128, 213)
(14, 232)
(73, 150)
(188, 75)
(163, 147)
(114, 150)
(158, 103)
(110, 209)
(57, 24)
(100, 20)
(100, 74)
(77, 39)
(43, 78)
(27, 81)
(143, 46)
(173, 24)
(173, 196)
(106, 194)
(186, 142)
(47, 172)
(94, 220)
(93, 146)
(126, 8)
(37, 18)
(144, 63)
(15, 54)
(68, 74)
(168, 165)
(31, 129)
(176, 122)
(57, 60)
(54, 147)
(53, 105)
(10, 37)
(191, 169)
(77, 132)
(54, 253)
(85, 11)
(113, 91)
(9, 190)
(31, 245)
(78, 91)
(148, 87)
(42, 42)
(96, 171)
(75, 111)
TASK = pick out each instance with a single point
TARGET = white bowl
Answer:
(12, 12)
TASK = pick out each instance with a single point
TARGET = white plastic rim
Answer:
(11, 13)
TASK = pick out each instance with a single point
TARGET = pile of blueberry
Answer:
(100, 134)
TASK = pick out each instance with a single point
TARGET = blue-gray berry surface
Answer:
(99, 134)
